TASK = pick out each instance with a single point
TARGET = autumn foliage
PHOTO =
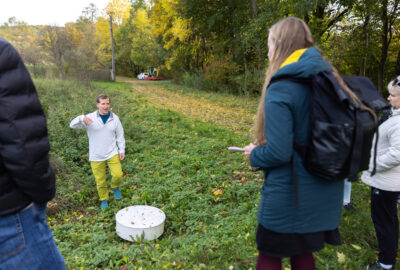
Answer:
(221, 44)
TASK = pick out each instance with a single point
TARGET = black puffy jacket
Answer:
(25, 173)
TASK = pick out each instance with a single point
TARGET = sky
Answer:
(46, 12)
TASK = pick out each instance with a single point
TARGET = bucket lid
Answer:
(140, 216)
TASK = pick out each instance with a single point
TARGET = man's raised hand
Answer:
(87, 121)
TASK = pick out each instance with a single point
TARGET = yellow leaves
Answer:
(169, 23)
(356, 247)
(166, 265)
(239, 119)
(144, 44)
(168, 6)
(169, 63)
(144, 29)
(77, 215)
(341, 257)
(218, 192)
(102, 27)
(141, 18)
(74, 33)
(103, 36)
(181, 29)
(171, 264)
(119, 10)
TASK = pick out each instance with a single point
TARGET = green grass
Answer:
(224, 99)
(175, 163)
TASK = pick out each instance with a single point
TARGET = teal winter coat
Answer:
(286, 121)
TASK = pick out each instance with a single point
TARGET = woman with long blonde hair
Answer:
(290, 227)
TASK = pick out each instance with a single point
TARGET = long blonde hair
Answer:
(288, 35)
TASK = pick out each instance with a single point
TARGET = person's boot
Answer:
(349, 207)
(117, 193)
(104, 204)
(377, 266)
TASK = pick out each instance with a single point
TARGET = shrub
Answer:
(221, 70)
(250, 83)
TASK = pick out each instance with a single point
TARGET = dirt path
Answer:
(238, 119)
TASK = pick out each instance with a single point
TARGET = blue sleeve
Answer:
(279, 132)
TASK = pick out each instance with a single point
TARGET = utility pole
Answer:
(112, 51)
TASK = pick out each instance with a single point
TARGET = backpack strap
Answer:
(385, 116)
(375, 149)
(289, 78)
(356, 150)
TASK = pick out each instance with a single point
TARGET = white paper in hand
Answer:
(234, 148)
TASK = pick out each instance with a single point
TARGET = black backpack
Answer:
(340, 132)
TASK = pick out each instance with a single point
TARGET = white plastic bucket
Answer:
(135, 221)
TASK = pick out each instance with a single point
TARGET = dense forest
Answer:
(207, 44)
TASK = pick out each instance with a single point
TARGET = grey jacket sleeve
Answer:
(120, 136)
(77, 123)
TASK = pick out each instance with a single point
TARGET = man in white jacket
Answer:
(106, 146)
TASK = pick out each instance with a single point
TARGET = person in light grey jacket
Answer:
(106, 146)
(385, 183)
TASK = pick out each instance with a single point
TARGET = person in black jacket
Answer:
(27, 181)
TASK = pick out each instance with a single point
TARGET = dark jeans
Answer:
(386, 223)
(26, 241)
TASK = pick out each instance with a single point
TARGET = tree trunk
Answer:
(245, 73)
(363, 64)
(258, 47)
(388, 19)
(112, 52)
(205, 52)
(59, 64)
(398, 64)
(385, 45)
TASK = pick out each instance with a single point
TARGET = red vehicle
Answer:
(154, 74)
(154, 78)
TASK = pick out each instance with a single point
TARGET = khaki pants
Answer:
(99, 172)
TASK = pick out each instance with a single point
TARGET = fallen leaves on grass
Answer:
(218, 192)
(341, 257)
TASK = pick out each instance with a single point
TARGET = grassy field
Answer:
(177, 161)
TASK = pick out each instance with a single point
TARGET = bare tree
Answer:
(90, 12)
(56, 41)
(389, 12)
